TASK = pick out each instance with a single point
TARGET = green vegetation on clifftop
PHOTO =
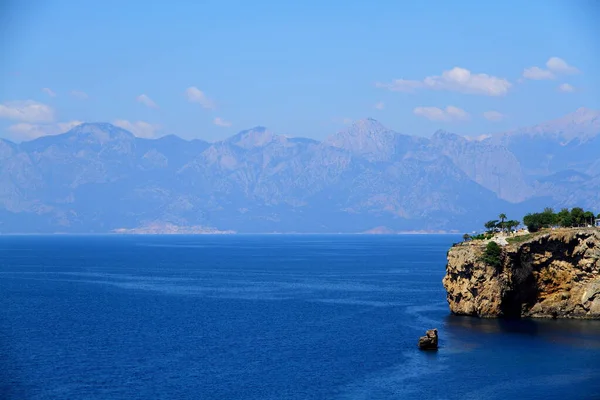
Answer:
(576, 217)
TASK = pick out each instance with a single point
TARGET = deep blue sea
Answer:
(265, 317)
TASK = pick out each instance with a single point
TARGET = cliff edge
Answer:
(552, 274)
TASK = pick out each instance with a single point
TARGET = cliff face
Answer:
(548, 275)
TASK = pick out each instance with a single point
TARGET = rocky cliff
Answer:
(554, 274)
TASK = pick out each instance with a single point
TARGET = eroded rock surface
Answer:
(548, 275)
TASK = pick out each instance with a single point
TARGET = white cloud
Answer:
(140, 129)
(493, 116)
(379, 106)
(560, 66)
(26, 131)
(566, 88)
(49, 92)
(79, 94)
(196, 95)
(27, 111)
(146, 100)
(554, 65)
(448, 114)
(457, 80)
(221, 122)
(537, 74)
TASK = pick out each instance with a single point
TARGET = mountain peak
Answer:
(582, 124)
(366, 138)
(90, 133)
(582, 115)
(367, 125)
(98, 132)
(256, 137)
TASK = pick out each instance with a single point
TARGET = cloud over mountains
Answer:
(457, 80)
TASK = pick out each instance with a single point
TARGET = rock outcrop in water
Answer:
(553, 274)
(429, 341)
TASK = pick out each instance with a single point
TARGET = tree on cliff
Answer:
(512, 224)
(564, 218)
(466, 237)
(502, 218)
(491, 226)
(588, 217)
(578, 216)
(548, 217)
(537, 221)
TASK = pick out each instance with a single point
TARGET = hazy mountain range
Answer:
(100, 178)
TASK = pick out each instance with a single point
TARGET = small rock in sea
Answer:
(429, 341)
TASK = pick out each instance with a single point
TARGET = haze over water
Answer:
(265, 317)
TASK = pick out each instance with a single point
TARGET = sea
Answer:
(265, 317)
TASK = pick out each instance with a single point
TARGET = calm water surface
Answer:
(265, 317)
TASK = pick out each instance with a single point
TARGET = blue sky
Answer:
(208, 69)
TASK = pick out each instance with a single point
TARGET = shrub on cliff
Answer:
(533, 225)
(492, 255)
(482, 236)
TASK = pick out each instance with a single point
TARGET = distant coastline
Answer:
(162, 228)
(382, 230)
(172, 229)
(182, 232)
